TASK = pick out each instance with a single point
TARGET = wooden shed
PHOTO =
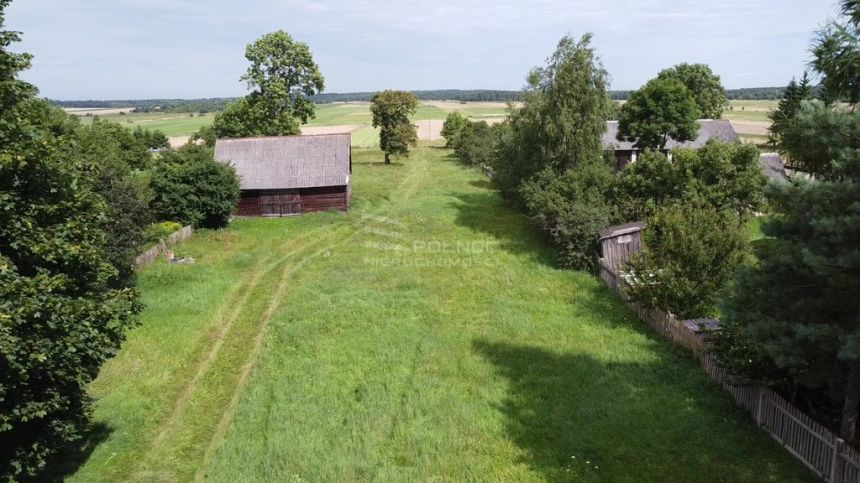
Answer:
(618, 243)
(290, 175)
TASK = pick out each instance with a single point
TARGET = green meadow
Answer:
(424, 335)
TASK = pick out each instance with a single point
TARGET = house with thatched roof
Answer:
(626, 153)
(290, 175)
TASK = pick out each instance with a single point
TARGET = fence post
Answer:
(760, 406)
(836, 461)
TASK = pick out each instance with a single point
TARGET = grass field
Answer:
(171, 124)
(424, 335)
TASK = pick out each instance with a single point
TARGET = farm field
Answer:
(424, 335)
(171, 124)
(749, 119)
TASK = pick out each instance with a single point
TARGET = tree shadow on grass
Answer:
(72, 457)
(578, 418)
(488, 213)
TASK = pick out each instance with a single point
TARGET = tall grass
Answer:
(425, 335)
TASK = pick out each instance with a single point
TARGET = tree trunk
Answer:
(852, 400)
(387, 159)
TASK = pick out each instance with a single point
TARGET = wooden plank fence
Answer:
(150, 255)
(814, 445)
(488, 171)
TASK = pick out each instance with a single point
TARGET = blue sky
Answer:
(122, 49)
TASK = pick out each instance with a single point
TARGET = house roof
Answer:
(287, 162)
(619, 230)
(773, 167)
(708, 129)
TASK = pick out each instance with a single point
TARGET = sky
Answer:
(135, 49)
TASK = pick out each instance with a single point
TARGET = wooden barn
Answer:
(290, 175)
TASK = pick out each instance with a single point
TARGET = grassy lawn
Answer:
(424, 335)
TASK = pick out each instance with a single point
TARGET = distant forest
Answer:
(216, 104)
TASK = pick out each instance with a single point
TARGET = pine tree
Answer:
(788, 106)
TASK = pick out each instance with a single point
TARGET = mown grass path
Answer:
(425, 335)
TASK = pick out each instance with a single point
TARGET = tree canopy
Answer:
(282, 77)
(797, 307)
(691, 251)
(704, 86)
(661, 110)
(549, 154)
(563, 117)
(785, 113)
(60, 316)
(190, 187)
(391, 112)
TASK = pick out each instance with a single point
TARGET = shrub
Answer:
(189, 186)
(572, 208)
(452, 127)
(160, 231)
(476, 143)
(689, 257)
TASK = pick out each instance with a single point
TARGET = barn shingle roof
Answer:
(708, 129)
(288, 162)
(773, 167)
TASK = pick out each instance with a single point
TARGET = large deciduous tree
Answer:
(550, 155)
(60, 319)
(563, 117)
(661, 110)
(391, 111)
(282, 78)
(704, 86)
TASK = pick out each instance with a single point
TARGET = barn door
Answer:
(281, 204)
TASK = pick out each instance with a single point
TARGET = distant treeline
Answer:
(216, 104)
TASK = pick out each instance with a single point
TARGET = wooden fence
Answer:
(814, 445)
(488, 171)
(150, 255)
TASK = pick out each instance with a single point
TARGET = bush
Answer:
(152, 139)
(689, 257)
(160, 231)
(189, 186)
(476, 143)
(452, 127)
(724, 176)
(572, 208)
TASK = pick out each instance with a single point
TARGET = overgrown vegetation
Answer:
(690, 256)
(793, 315)
(190, 187)
(61, 313)
(372, 363)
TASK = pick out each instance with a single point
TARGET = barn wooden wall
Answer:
(313, 199)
